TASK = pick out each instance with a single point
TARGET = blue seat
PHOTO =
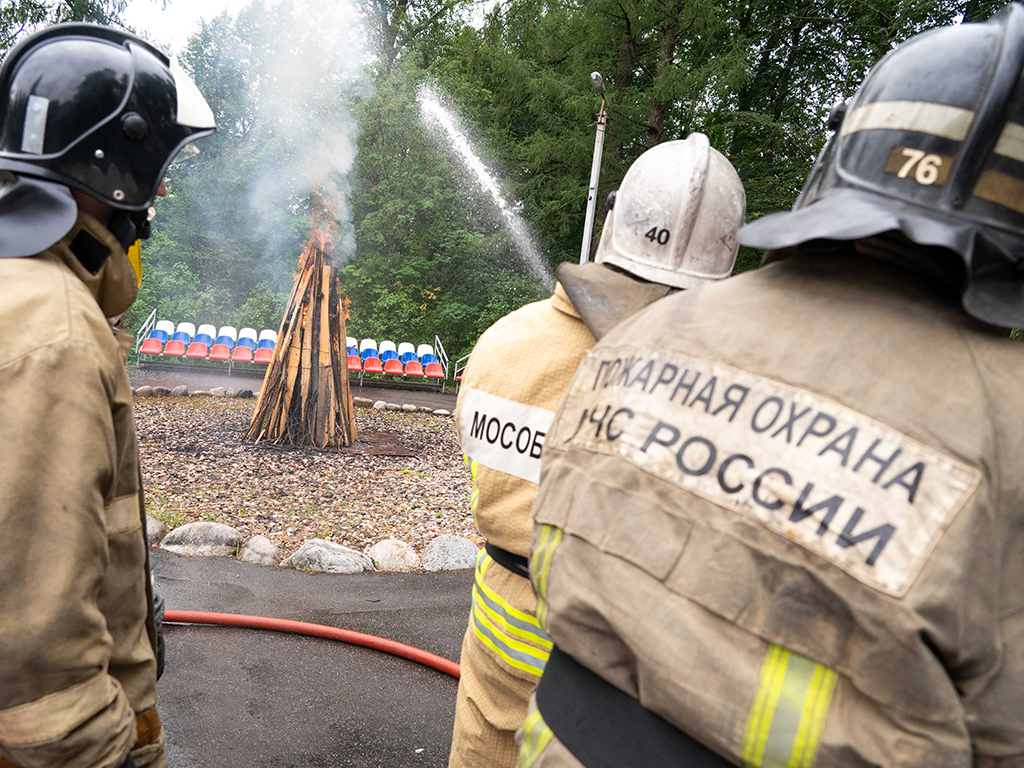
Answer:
(227, 341)
(203, 338)
(265, 344)
(353, 351)
(427, 359)
(370, 352)
(409, 356)
(388, 355)
(157, 333)
(245, 341)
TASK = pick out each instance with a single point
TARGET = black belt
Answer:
(606, 728)
(520, 566)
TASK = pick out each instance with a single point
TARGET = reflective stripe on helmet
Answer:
(787, 717)
(920, 116)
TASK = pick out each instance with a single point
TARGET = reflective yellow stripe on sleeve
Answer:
(787, 717)
(536, 736)
(474, 495)
(540, 566)
(513, 635)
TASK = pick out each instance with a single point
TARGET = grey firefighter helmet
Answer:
(672, 226)
(932, 147)
(675, 215)
(96, 109)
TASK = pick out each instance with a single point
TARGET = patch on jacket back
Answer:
(502, 434)
(858, 493)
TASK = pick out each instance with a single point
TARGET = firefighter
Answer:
(780, 520)
(90, 118)
(672, 226)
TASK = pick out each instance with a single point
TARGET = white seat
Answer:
(404, 347)
(350, 341)
(227, 330)
(386, 346)
(247, 333)
(188, 328)
(208, 329)
(166, 326)
(268, 334)
(424, 349)
(366, 344)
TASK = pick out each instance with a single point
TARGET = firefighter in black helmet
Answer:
(780, 519)
(90, 118)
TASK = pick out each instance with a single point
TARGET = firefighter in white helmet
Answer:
(781, 520)
(672, 226)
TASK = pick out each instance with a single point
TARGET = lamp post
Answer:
(595, 169)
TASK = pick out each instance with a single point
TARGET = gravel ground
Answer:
(196, 467)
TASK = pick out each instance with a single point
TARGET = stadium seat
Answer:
(200, 346)
(366, 344)
(407, 356)
(355, 364)
(353, 350)
(151, 346)
(428, 359)
(385, 346)
(393, 366)
(370, 352)
(389, 354)
(434, 371)
(267, 340)
(406, 352)
(181, 338)
(245, 347)
(372, 364)
(424, 349)
(224, 343)
(350, 341)
(264, 355)
(413, 368)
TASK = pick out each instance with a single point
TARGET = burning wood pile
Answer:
(305, 399)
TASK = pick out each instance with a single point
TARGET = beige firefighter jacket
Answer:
(516, 376)
(77, 665)
(786, 513)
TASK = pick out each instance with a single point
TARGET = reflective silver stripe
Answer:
(919, 116)
(1011, 142)
(527, 626)
(517, 657)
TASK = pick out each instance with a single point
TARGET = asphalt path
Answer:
(234, 697)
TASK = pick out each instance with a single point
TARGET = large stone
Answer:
(260, 550)
(180, 391)
(144, 391)
(449, 553)
(203, 539)
(202, 393)
(442, 412)
(393, 407)
(222, 392)
(362, 402)
(380, 405)
(155, 530)
(409, 408)
(161, 391)
(245, 394)
(327, 557)
(393, 555)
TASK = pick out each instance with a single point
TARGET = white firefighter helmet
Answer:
(675, 215)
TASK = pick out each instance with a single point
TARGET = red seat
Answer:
(354, 363)
(434, 371)
(242, 355)
(175, 348)
(220, 352)
(264, 355)
(197, 350)
(393, 367)
(414, 368)
(372, 365)
(151, 347)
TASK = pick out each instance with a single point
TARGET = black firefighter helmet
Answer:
(931, 146)
(89, 107)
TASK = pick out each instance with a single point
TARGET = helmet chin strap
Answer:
(129, 226)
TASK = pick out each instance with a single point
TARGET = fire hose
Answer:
(418, 655)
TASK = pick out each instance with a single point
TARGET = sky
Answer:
(172, 26)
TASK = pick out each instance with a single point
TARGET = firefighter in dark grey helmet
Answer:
(90, 118)
(780, 520)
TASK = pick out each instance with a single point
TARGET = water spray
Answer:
(435, 111)
(595, 169)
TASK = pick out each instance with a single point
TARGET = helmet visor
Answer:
(193, 111)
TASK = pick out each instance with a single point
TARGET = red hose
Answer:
(316, 630)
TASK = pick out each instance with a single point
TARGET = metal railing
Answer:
(142, 333)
